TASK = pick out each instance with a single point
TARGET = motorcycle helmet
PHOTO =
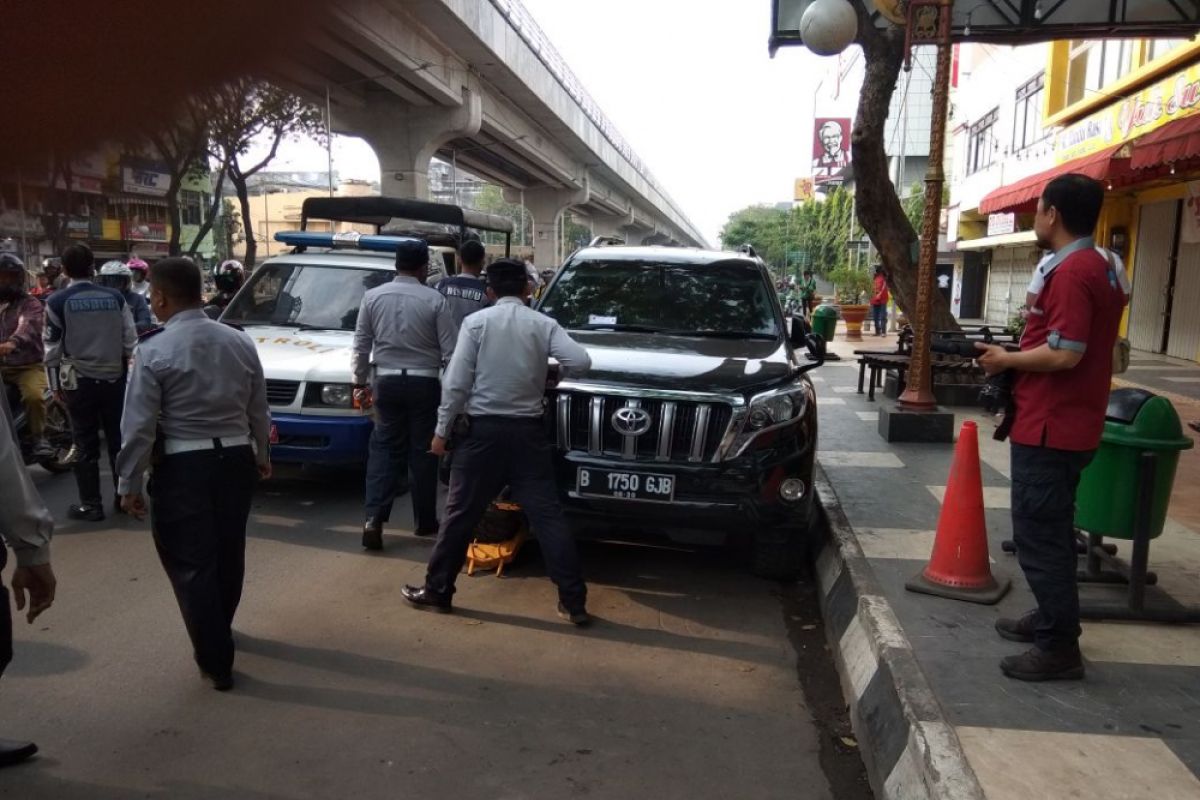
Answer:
(229, 276)
(14, 279)
(135, 264)
(115, 275)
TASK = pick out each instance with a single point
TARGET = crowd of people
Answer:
(185, 403)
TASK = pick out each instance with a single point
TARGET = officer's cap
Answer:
(506, 270)
(412, 255)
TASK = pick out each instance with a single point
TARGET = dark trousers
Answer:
(95, 406)
(199, 505)
(1044, 481)
(405, 419)
(499, 452)
(5, 616)
(879, 316)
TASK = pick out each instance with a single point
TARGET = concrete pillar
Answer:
(545, 206)
(609, 225)
(405, 138)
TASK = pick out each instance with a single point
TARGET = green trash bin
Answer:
(1137, 422)
(824, 321)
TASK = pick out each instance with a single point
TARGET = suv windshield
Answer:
(722, 297)
(305, 295)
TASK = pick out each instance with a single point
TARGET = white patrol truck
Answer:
(301, 308)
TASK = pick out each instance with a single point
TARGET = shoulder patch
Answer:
(233, 325)
(152, 332)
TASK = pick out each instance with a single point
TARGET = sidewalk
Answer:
(1130, 730)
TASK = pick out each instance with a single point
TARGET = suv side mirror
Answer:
(816, 348)
(799, 333)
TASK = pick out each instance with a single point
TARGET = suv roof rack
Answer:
(379, 211)
(606, 241)
(748, 250)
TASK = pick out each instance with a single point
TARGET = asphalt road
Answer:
(686, 686)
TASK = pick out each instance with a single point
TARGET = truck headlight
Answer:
(339, 395)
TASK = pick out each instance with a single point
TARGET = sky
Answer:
(690, 86)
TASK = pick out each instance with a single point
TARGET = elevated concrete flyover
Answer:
(476, 82)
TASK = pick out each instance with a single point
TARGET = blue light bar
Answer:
(349, 240)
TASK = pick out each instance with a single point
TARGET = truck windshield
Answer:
(671, 298)
(304, 295)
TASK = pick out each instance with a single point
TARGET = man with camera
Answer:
(1063, 371)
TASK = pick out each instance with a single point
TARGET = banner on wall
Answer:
(1190, 232)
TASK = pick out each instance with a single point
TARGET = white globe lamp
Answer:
(829, 26)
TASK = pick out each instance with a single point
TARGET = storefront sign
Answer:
(1172, 98)
(1000, 224)
(13, 223)
(145, 181)
(79, 227)
(144, 231)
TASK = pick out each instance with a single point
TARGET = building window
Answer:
(1157, 48)
(1027, 128)
(1096, 64)
(190, 207)
(981, 143)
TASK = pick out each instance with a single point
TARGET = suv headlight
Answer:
(335, 395)
(767, 412)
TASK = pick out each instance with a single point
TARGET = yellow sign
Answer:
(1174, 97)
(803, 190)
(892, 9)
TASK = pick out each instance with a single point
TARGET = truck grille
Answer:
(282, 393)
(680, 430)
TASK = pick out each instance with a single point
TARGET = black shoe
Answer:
(1036, 664)
(15, 752)
(423, 599)
(86, 513)
(581, 618)
(373, 535)
(1017, 630)
(222, 683)
(426, 531)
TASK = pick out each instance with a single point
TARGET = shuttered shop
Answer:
(1008, 278)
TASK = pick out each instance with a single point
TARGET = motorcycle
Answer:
(57, 432)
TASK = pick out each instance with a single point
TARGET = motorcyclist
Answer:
(22, 321)
(228, 277)
(116, 275)
(50, 279)
(140, 269)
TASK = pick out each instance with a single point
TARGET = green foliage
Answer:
(490, 200)
(1016, 323)
(914, 204)
(853, 285)
(815, 233)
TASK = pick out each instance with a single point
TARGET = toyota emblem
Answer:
(630, 421)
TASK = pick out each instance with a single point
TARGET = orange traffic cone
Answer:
(959, 568)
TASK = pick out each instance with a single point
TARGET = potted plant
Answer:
(853, 287)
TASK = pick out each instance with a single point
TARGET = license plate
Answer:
(274, 433)
(625, 485)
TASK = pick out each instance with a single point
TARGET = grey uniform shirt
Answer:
(500, 364)
(25, 524)
(90, 326)
(194, 379)
(402, 325)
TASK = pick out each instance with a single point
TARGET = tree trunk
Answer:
(211, 216)
(174, 218)
(243, 194)
(878, 206)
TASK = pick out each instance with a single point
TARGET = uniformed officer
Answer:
(197, 399)
(498, 378)
(404, 334)
(466, 292)
(89, 335)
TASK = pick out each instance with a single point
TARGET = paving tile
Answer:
(903, 543)
(1139, 643)
(830, 401)
(846, 389)
(993, 496)
(839, 458)
(1188, 379)
(868, 416)
(1018, 765)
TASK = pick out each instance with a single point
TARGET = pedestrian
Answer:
(27, 527)
(1063, 372)
(879, 301)
(196, 414)
(404, 334)
(140, 270)
(89, 337)
(466, 292)
(227, 278)
(22, 352)
(116, 275)
(497, 377)
(808, 292)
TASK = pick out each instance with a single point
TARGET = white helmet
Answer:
(115, 269)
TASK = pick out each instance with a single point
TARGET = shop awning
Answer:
(1025, 193)
(1175, 141)
(1000, 240)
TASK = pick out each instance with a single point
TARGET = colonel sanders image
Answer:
(832, 154)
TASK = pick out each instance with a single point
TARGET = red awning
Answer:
(1175, 141)
(1024, 193)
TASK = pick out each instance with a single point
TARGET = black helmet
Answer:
(229, 276)
(11, 263)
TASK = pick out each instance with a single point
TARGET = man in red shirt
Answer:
(879, 301)
(1063, 370)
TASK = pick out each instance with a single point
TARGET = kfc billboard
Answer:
(831, 148)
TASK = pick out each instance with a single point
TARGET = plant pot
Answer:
(854, 316)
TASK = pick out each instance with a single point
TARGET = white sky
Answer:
(689, 85)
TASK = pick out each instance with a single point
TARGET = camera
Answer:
(996, 394)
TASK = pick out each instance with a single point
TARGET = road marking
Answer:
(899, 543)
(993, 496)
(830, 401)
(853, 458)
(816, 379)
(1181, 380)
(868, 416)
(845, 389)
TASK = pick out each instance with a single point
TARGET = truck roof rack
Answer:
(606, 241)
(383, 211)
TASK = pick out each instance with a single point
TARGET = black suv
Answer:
(697, 420)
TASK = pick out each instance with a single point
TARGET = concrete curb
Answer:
(911, 751)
